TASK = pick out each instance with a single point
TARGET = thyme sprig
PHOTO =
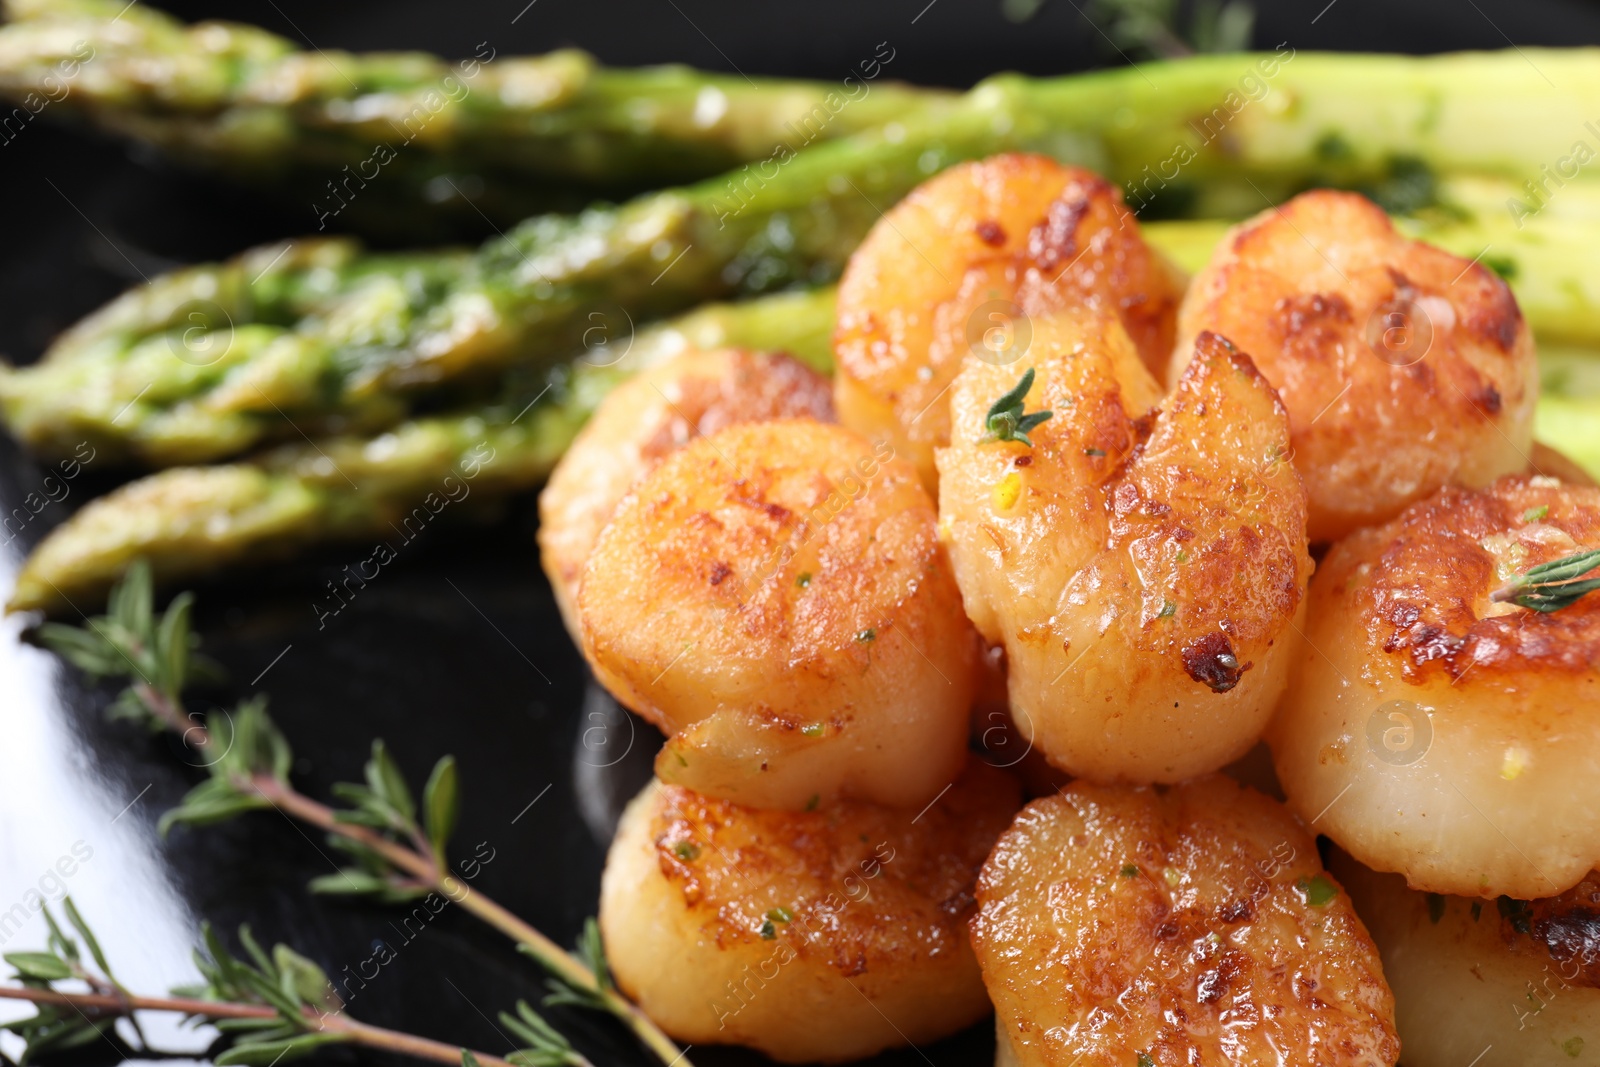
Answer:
(397, 848)
(591, 952)
(271, 1007)
(1006, 420)
(158, 653)
(1150, 27)
(1554, 585)
(546, 1046)
(51, 1028)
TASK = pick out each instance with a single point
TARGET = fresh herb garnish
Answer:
(396, 845)
(1007, 421)
(1151, 27)
(273, 1007)
(1554, 585)
(1318, 890)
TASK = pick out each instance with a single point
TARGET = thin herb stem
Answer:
(191, 732)
(359, 1032)
(397, 852)
(549, 954)
(120, 1004)
(424, 1048)
(1549, 587)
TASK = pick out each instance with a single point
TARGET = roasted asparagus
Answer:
(195, 520)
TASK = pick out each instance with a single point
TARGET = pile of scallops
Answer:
(1069, 526)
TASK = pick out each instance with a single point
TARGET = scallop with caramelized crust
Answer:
(1404, 368)
(960, 266)
(1513, 984)
(812, 936)
(776, 599)
(658, 410)
(1123, 925)
(1435, 731)
(1141, 566)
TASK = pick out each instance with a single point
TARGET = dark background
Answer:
(458, 647)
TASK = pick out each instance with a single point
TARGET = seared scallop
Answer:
(658, 410)
(1437, 729)
(1509, 984)
(775, 598)
(960, 266)
(1404, 368)
(811, 936)
(1123, 925)
(1142, 565)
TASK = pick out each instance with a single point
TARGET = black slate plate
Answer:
(457, 646)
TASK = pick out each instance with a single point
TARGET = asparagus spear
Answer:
(195, 520)
(1568, 418)
(318, 337)
(328, 345)
(311, 346)
(249, 102)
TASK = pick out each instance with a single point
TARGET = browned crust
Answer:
(1068, 239)
(663, 408)
(1309, 325)
(1250, 574)
(1562, 930)
(710, 537)
(1202, 911)
(865, 885)
(757, 386)
(1403, 367)
(1423, 581)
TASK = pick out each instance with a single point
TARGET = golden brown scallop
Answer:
(1435, 731)
(1122, 925)
(1141, 566)
(1506, 984)
(658, 410)
(961, 265)
(812, 936)
(1404, 368)
(776, 599)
